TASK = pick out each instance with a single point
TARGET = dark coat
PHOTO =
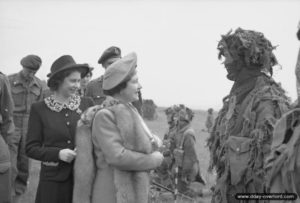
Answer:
(48, 133)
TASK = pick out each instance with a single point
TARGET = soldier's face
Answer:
(231, 65)
(85, 80)
(28, 73)
(170, 118)
(131, 92)
(70, 84)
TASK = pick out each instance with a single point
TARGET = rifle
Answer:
(170, 190)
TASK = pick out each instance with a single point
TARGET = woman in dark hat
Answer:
(85, 81)
(51, 130)
(123, 148)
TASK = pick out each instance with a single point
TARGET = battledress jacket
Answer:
(121, 147)
(95, 91)
(241, 139)
(6, 122)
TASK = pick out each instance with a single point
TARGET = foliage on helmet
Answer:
(180, 113)
(250, 46)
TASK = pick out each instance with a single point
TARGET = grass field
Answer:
(159, 127)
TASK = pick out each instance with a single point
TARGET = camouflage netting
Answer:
(149, 109)
(243, 131)
(251, 46)
(180, 113)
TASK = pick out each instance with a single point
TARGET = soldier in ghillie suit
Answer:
(209, 120)
(297, 69)
(283, 164)
(242, 134)
(179, 152)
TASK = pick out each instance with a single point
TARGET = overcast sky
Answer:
(175, 40)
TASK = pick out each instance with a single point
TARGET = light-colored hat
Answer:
(118, 71)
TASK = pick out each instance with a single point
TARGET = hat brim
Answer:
(120, 80)
(83, 68)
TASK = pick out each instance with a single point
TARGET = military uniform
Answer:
(297, 69)
(209, 122)
(283, 163)
(179, 152)
(24, 94)
(6, 130)
(242, 134)
(95, 91)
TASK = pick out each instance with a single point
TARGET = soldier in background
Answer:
(26, 89)
(85, 81)
(6, 131)
(283, 163)
(297, 69)
(240, 139)
(209, 120)
(180, 152)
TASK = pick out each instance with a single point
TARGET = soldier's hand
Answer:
(67, 155)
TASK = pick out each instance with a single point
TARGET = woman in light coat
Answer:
(123, 146)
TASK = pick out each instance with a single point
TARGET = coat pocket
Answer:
(49, 169)
(239, 155)
(18, 94)
(35, 93)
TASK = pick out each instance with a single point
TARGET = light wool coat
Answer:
(120, 146)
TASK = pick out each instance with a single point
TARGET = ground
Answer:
(159, 127)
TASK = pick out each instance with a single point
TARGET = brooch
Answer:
(78, 110)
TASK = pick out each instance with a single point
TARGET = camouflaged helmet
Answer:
(180, 113)
(250, 46)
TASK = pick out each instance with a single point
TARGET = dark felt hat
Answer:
(111, 52)
(66, 62)
(31, 61)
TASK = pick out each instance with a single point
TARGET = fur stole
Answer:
(131, 186)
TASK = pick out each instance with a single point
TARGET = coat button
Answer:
(238, 149)
(66, 114)
(68, 123)
(69, 142)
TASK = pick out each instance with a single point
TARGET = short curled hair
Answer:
(117, 89)
(57, 80)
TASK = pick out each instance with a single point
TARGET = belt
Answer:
(50, 163)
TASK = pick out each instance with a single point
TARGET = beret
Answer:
(118, 71)
(111, 52)
(31, 62)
